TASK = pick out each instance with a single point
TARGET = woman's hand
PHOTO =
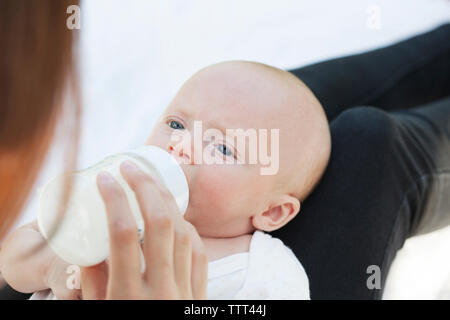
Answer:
(175, 258)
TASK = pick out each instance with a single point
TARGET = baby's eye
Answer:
(175, 125)
(224, 150)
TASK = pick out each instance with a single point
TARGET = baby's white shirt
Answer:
(269, 270)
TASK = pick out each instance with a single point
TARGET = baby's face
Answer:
(226, 188)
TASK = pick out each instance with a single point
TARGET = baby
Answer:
(232, 202)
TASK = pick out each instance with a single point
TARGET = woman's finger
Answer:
(182, 262)
(199, 266)
(160, 221)
(124, 264)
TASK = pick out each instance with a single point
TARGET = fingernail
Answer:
(129, 166)
(105, 178)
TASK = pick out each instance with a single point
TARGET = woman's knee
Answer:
(364, 128)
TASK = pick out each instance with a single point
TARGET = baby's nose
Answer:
(181, 153)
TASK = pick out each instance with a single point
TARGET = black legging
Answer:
(389, 172)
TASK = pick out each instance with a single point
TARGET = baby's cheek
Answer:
(217, 189)
(214, 183)
(219, 198)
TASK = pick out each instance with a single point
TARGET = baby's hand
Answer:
(58, 280)
(29, 270)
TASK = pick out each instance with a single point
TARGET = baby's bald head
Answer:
(275, 98)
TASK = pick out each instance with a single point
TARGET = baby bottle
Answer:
(80, 235)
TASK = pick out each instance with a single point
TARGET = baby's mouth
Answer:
(185, 169)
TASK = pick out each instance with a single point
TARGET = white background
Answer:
(136, 54)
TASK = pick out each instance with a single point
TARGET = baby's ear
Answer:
(279, 213)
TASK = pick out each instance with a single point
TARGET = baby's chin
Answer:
(202, 229)
(188, 216)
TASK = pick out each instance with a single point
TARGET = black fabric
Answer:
(389, 113)
(8, 293)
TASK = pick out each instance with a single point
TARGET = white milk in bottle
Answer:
(80, 235)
